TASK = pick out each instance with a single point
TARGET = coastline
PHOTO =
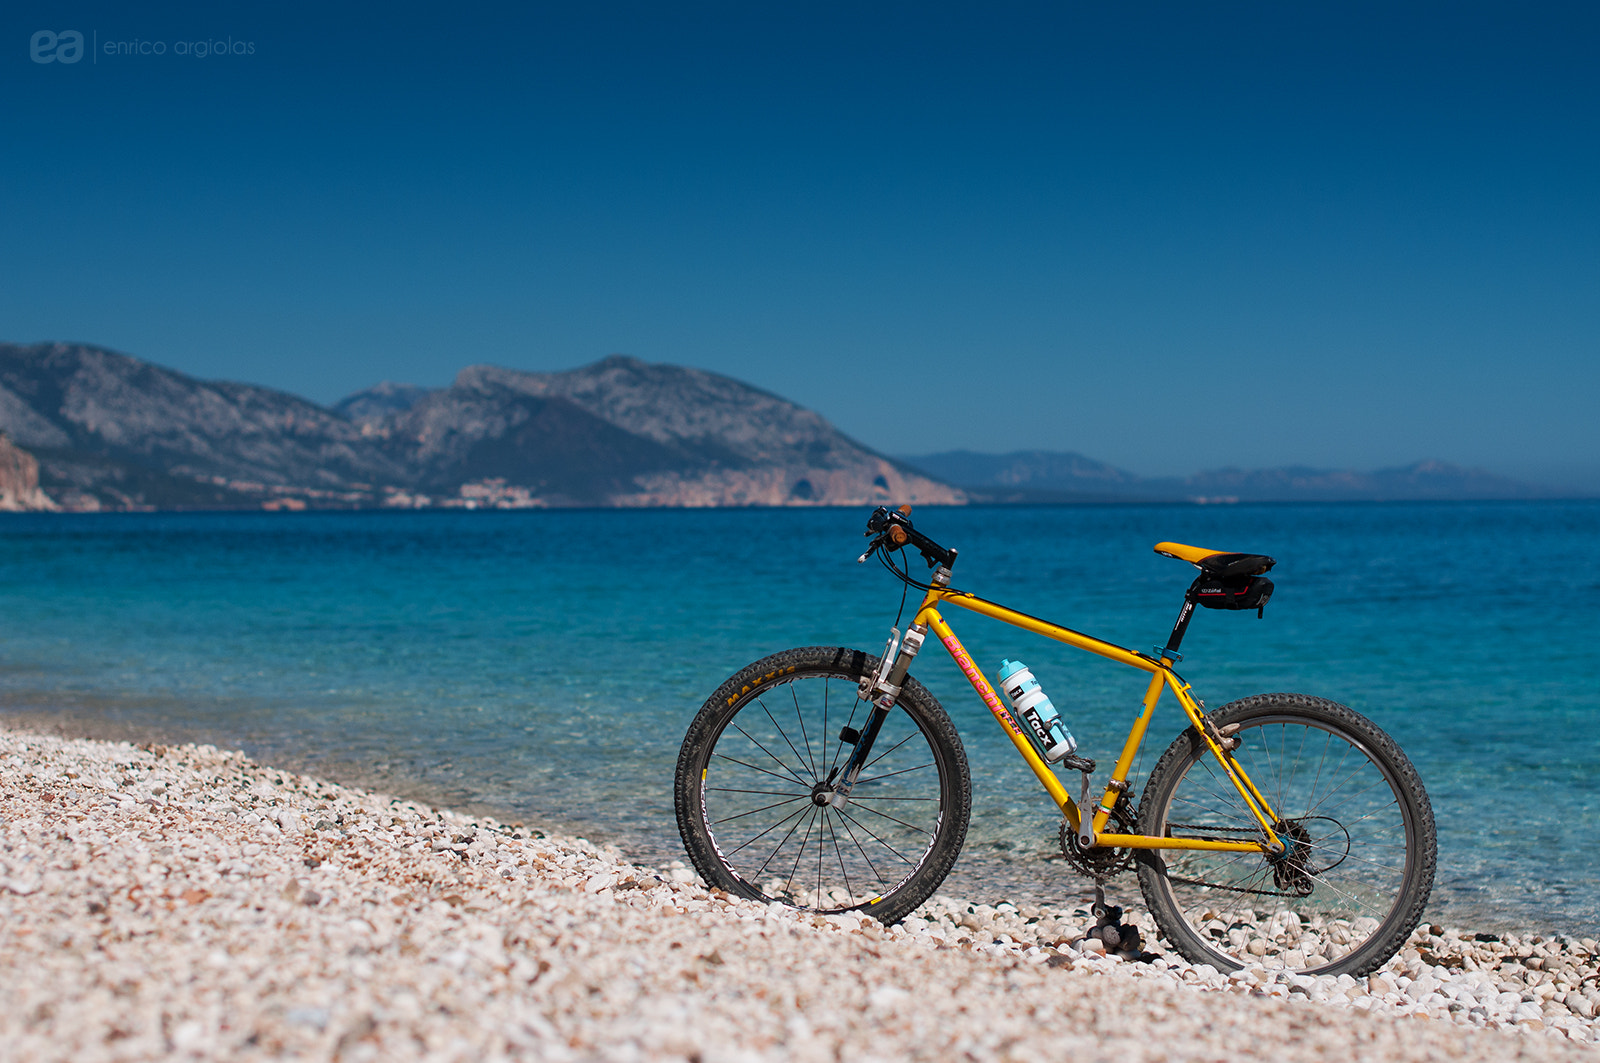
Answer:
(159, 901)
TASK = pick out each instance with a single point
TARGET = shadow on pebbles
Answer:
(185, 902)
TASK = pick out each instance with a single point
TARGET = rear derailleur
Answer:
(1291, 870)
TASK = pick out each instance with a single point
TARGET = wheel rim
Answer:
(1350, 854)
(775, 752)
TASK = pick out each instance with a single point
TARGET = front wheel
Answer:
(754, 774)
(1359, 854)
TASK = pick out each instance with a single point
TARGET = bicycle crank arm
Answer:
(1086, 815)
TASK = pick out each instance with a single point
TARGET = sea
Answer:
(542, 666)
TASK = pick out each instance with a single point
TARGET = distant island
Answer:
(1042, 476)
(86, 429)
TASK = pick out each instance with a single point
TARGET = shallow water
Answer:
(543, 665)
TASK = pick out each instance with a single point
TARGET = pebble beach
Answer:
(186, 902)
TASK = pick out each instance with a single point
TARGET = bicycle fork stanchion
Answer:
(882, 691)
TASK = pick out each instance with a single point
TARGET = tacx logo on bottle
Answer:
(47, 46)
(1040, 731)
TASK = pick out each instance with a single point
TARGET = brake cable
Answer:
(903, 575)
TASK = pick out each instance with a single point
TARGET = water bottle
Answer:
(1032, 708)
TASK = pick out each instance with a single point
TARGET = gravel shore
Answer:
(186, 902)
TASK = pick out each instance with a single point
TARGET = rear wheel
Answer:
(1359, 862)
(759, 756)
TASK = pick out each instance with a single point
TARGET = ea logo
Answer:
(63, 47)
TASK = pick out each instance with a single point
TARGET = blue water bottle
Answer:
(1033, 711)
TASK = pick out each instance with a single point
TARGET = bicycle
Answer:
(1318, 859)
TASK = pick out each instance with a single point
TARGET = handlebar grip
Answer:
(882, 518)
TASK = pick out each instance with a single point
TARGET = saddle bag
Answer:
(1233, 592)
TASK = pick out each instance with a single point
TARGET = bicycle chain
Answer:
(1234, 889)
(1219, 886)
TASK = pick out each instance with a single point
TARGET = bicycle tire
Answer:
(743, 789)
(1356, 816)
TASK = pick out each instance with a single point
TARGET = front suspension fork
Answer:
(882, 692)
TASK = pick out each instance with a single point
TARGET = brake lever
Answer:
(870, 550)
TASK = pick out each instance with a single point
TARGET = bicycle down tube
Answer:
(1161, 676)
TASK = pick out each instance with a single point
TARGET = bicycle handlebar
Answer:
(894, 531)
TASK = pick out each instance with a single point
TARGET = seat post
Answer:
(1176, 638)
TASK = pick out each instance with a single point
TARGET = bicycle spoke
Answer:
(766, 832)
(801, 852)
(1350, 797)
(891, 774)
(822, 850)
(785, 840)
(763, 808)
(886, 816)
(810, 757)
(764, 793)
(769, 753)
(868, 832)
(844, 873)
(782, 734)
(891, 749)
(764, 771)
(877, 877)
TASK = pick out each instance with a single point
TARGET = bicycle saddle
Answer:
(1217, 562)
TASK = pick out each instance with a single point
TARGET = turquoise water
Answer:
(543, 665)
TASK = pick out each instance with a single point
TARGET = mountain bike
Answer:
(1281, 829)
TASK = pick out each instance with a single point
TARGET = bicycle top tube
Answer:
(1006, 615)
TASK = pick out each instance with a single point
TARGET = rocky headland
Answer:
(19, 480)
(185, 902)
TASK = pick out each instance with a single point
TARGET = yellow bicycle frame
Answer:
(1161, 676)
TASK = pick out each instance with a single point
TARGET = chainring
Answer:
(1101, 863)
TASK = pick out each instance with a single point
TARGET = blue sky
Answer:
(1169, 236)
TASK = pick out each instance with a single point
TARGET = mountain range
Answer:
(111, 431)
(1042, 476)
(91, 428)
